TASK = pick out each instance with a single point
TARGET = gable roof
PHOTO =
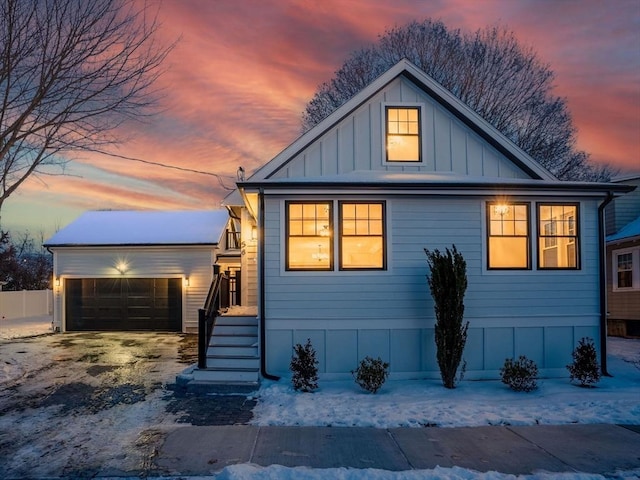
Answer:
(441, 95)
(142, 228)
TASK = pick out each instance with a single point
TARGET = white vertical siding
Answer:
(389, 313)
(357, 142)
(144, 262)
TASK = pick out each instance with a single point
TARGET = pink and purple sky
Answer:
(243, 71)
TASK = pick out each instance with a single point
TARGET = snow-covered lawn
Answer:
(473, 403)
(140, 426)
(277, 472)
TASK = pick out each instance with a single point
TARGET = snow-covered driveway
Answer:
(77, 404)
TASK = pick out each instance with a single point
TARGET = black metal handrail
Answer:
(217, 299)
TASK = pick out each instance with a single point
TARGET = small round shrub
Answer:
(585, 366)
(304, 367)
(520, 375)
(371, 374)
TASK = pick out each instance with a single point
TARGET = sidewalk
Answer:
(598, 449)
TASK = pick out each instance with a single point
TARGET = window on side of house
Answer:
(362, 243)
(558, 236)
(403, 134)
(626, 269)
(508, 242)
(309, 242)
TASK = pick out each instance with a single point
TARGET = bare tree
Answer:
(24, 266)
(71, 72)
(504, 82)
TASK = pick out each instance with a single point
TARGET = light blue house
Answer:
(342, 217)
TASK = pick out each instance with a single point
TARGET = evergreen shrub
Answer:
(304, 367)
(520, 375)
(448, 283)
(371, 374)
(585, 368)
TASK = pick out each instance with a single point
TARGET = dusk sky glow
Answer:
(239, 78)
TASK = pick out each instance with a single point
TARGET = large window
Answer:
(626, 269)
(508, 231)
(362, 236)
(557, 236)
(309, 238)
(403, 134)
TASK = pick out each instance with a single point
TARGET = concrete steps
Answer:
(232, 356)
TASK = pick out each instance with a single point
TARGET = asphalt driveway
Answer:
(82, 404)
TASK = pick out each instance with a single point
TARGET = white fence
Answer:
(26, 303)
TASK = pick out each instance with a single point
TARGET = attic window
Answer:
(403, 134)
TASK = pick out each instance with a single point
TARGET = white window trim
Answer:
(635, 268)
(383, 126)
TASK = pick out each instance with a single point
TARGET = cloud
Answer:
(238, 80)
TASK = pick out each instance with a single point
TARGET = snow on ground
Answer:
(397, 404)
(472, 403)
(278, 472)
(25, 327)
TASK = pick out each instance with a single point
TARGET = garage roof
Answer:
(105, 228)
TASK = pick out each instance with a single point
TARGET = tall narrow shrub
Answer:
(448, 283)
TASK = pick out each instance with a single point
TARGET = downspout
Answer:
(603, 284)
(263, 328)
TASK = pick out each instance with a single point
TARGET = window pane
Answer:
(309, 253)
(403, 134)
(362, 241)
(508, 252)
(309, 241)
(348, 227)
(508, 244)
(558, 240)
(362, 252)
(625, 270)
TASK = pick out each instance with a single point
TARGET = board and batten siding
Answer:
(194, 262)
(349, 315)
(357, 142)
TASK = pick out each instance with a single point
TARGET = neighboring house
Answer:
(136, 270)
(343, 216)
(623, 261)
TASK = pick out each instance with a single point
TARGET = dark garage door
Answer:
(124, 304)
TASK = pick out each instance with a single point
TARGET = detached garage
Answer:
(134, 270)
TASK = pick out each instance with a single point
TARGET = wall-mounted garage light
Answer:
(122, 267)
(254, 233)
(186, 281)
(57, 282)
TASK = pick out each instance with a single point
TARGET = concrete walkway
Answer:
(599, 449)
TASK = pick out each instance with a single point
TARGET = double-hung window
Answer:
(508, 232)
(626, 269)
(309, 243)
(310, 235)
(557, 236)
(362, 236)
(403, 134)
